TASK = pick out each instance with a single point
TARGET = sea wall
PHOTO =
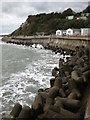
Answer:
(68, 97)
(52, 41)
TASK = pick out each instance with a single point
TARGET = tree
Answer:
(68, 12)
(87, 10)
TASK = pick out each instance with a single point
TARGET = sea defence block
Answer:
(10, 117)
(62, 115)
(87, 112)
(75, 76)
(16, 110)
(58, 82)
(69, 104)
(25, 113)
(53, 92)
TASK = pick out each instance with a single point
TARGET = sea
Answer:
(23, 70)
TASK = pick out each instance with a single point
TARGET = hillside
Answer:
(49, 23)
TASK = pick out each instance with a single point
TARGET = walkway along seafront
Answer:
(68, 97)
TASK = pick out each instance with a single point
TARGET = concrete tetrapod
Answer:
(25, 113)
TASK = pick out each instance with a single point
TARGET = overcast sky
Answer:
(14, 12)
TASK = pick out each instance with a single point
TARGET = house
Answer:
(73, 32)
(70, 17)
(85, 31)
(61, 32)
(85, 14)
(83, 18)
(58, 32)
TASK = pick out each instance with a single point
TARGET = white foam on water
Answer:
(22, 86)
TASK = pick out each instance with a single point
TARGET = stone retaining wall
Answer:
(64, 42)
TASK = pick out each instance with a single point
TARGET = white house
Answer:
(73, 32)
(58, 32)
(70, 17)
(85, 31)
(61, 32)
(85, 14)
(83, 18)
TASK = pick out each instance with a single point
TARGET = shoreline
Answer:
(49, 41)
(57, 101)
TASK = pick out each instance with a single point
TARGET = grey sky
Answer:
(14, 13)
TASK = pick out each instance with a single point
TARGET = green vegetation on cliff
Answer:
(50, 22)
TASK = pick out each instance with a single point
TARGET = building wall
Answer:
(58, 32)
(76, 32)
(85, 31)
(69, 32)
(70, 17)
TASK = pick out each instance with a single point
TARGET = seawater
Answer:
(23, 71)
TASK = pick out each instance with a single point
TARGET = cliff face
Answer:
(49, 23)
